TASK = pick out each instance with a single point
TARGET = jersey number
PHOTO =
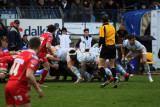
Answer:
(14, 69)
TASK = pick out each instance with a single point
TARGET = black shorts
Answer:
(108, 52)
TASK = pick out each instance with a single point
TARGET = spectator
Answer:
(25, 41)
(64, 39)
(110, 5)
(143, 6)
(111, 12)
(42, 9)
(76, 14)
(56, 37)
(155, 5)
(4, 42)
(14, 37)
(52, 4)
(3, 32)
(65, 6)
(86, 41)
(87, 7)
(59, 2)
(143, 3)
(98, 9)
(4, 4)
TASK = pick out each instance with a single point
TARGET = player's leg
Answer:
(101, 68)
(24, 105)
(125, 76)
(146, 67)
(44, 73)
(74, 69)
(12, 105)
(112, 61)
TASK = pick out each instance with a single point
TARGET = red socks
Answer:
(43, 75)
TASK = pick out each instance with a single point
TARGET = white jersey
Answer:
(96, 50)
(83, 56)
(134, 48)
(62, 53)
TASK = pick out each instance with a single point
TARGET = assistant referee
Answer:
(108, 51)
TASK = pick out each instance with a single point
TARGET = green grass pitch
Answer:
(137, 92)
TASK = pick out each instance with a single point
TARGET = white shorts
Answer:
(132, 54)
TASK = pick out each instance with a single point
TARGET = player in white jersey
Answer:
(136, 49)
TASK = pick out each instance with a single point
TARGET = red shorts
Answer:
(16, 96)
(42, 57)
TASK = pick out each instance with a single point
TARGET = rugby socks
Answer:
(147, 69)
(86, 74)
(103, 73)
(43, 75)
(108, 72)
(75, 71)
(120, 68)
(114, 74)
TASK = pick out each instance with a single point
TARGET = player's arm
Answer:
(122, 51)
(31, 78)
(101, 36)
(48, 46)
(139, 53)
(48, 56)
(53, 66)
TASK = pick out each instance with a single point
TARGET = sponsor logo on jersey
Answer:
(35, 57)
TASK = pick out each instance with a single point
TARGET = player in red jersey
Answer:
(22, 74)
(46, 40)
(4, 62)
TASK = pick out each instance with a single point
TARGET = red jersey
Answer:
(45, 37)
(2, 54)
(24, 60)
(6, 60)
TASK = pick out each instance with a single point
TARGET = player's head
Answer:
(34, 43)
(104, 19)
(73, 54)
(131, 39)
(51, 29)
(86, 32)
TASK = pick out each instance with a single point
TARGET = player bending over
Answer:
(136, 49)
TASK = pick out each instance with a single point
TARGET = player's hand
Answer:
(129, 59)
(55, 55)
(30, 87)
(40, 92)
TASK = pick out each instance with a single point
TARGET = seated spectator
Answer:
(4, 42)
(87, 7)
(77, 13)
(65, 7)
(24, 41)
(64, 39)
(98, 9)
(155, 5)
(3, 31)
(86, 41)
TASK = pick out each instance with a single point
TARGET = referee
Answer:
(108, 51)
